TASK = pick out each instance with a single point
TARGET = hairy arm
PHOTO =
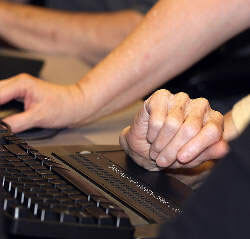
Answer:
(90, 36)
(172, 36)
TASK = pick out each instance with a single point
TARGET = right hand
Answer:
(46, 104)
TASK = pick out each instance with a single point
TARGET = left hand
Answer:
(174, 131)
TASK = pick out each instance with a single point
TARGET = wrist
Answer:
(78, 104)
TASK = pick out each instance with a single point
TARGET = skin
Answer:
(174, 131)
(157, 50)
(230, 131)
(89, 36)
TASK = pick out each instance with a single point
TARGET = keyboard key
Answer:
(32, 188)
(99, 199)
(100, 215)
(79, 198)
(65, 187)
(64, 200)
(109, 207)
(66, 216)
(19, 212)
(15, 149)
(121, 218)
(27, 148)
(48, 215)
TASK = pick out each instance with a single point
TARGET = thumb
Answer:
(139, 126)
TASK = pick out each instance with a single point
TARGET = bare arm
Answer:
(90, 36)
(172, 36)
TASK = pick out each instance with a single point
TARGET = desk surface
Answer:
(64, 70)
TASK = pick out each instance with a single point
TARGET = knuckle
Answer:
(183, 95)
(217, 115)
(161, 92)
(172, 123)
(203, 101)
(213, 131)
(22, 75)
(158, 97)
(191, 129)
(24, 78)
(156, 124)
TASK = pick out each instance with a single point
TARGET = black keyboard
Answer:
(89, 193)
(37, 200)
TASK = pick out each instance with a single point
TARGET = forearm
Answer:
(89, 36)
(173, 36)
(125, 98)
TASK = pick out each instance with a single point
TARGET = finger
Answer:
(139, 127)
(21, 121)
(172, 124)
(215, 151)
(9, 91)
(209, 135)
(190, 128)
(135, 135)
(144, 162)
(157, 108)
(14, 88)
(139, 159)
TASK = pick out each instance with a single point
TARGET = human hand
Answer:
(46, 104)
(174, 131)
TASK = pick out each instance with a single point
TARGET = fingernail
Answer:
(153, 155)
(184, 157)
